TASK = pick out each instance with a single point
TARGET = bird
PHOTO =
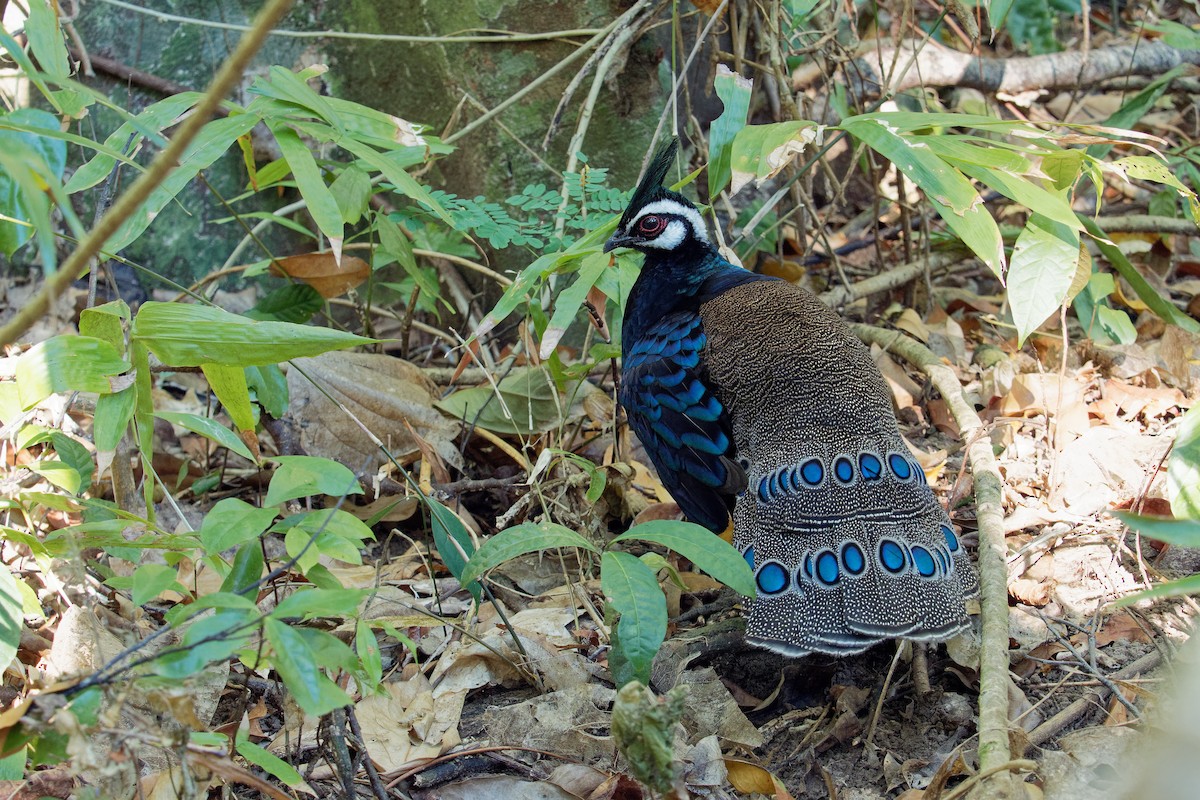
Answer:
(757, 404)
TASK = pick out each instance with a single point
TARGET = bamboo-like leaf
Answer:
(454, 544)
(209, 429)
(322, 205)
(734, 91)
(294, 660)
(570, 300)
(67, 363)
(184, 335)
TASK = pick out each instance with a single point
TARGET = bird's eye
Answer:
(650, 225)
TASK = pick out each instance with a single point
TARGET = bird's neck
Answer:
(669, 282)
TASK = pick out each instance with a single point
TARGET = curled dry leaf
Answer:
(322, 272)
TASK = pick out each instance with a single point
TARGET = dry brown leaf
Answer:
(1062, 399)
(405, 723)
(384, 394)
(1121, 627)
(322, 272)
(750, 778)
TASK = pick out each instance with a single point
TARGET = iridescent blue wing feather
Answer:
(679, 420)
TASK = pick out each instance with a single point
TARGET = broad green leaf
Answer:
(320, 603)
(1179, 532)
(997, 11)
(295, 303)
(105, 322)
(62, 475)
(1183, 468)
(1041, 273)
(321, 203)
(570, 300)
(269, 385)
(232, 523)
(528, 537)
(74, 455)
(184, 335)
(283, 84)
(229, 385)
(247, 568)
(454, 544)
(208, 428)
(702, 547)
(734, 91)
(948, 191)
(270, 763)
(293, 660)
(523, 403)
(12, 616)
(304, 476)
(151, 580)
(113, 412)
(632, 589)
(301, 546)
(211, 143)
(759, 152)
(1051, 205)
(65, 364)
(207, 640)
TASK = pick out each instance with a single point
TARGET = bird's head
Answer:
(658, 220)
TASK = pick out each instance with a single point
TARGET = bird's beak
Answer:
(615, 241)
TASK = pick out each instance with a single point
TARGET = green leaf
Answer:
(632, 589)
(190, 336)
(151, 580)
(113, 412)
(293, 660)
(759, 152)
(403, 182)
(1145, 292)
(214, 140)
(229, 385)
(1183, 468)
(1043, 267)
(74, 455)
(454, 544)
(64, 476)
(948, 191)
(525, 402)
(319, 602)
(247, 569)
(367, 648)
(232, 523)
(296, 544)
(208, 428)
(12, 616)
(296, 302)
(41, 154)
(528, 537)
(267, 761)
(1179, 532)
(269, 385)
(65, 364)
(304, 476)
(734, 91)
(1188, 585)
(207, 640)
(321, 203)
(106, 322)
(702, 547)
(352, 190)
(571, 299)
(1135, 107)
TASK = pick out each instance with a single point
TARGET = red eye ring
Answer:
(651, 224)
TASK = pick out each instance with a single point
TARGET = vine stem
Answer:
(993, 577)
(167, 160)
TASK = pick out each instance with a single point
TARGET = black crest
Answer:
(651, 186)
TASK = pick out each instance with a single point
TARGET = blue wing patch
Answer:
(680, 421)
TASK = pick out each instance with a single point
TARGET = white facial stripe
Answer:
(673, 207)
(672, 237)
